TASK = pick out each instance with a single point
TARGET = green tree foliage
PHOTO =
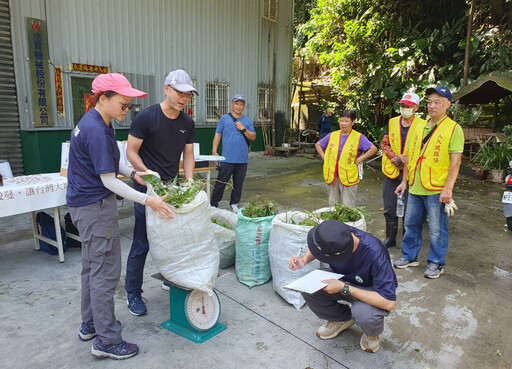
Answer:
(378, 50)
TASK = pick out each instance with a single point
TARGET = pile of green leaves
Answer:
(342, 213)
(221, 223)
(177, 195)
(260, 207)
(309, 221)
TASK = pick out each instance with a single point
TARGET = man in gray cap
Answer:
(369, 282)
(236, 130)
(158, 136)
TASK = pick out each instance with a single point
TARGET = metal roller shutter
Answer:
(10, 141)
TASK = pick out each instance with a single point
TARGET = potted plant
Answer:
(494, 157)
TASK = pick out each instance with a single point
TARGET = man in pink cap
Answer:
(91, 197)
(393, 145)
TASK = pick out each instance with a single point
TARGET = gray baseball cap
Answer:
(180, 80)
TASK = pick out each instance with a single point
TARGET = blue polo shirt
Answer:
(92, 151)
(234, 147)
(369, 266)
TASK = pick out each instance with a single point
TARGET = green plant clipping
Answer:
(260, 207)
(309, 221)
(342, 213)
(221, 223)
(177, 195)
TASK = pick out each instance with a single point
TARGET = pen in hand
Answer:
(298, 254)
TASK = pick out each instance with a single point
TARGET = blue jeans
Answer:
(139, 250)
(418, 207)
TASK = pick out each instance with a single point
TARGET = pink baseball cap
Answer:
(115, 82)
(410, 98)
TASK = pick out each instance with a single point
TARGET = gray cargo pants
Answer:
(101, 265)
(326, 306)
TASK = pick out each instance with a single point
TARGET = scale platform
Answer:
(193, 314)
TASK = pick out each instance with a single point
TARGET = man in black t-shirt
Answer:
(158, 136)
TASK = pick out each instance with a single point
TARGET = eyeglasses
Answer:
(127, 106)
(188, 95)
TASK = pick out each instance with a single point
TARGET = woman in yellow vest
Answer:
(396, 137)
(342, 151)
(434, 157)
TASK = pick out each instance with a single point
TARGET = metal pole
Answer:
(300, 93)
(468, 40)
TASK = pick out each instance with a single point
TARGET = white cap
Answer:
(410, 98)
(180, 80)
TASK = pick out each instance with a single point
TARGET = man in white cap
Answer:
(236, 130)
(393, 145)
(158, 136)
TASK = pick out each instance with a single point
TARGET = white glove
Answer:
(450, 208)
(149, 171)
(188, 183)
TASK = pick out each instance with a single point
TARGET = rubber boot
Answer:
(391, 230)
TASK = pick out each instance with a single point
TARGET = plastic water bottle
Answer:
(400, 205)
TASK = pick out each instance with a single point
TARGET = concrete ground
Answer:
(461, 320)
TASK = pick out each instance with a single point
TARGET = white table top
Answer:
(31, 193)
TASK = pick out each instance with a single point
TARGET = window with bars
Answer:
(265, 96)
(270, 10)
(191, 107)
(217, 101)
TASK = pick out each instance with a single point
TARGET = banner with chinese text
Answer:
(39, 72)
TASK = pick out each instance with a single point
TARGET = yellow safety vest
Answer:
(347, 171)
(389, 169)
(434, 163)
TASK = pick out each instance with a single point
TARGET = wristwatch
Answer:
(243, 130)
(132, 174)
(345, 291)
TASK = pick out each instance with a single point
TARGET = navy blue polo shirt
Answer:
(93, 151)
(369, 266)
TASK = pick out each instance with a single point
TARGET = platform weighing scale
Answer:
(193, 314)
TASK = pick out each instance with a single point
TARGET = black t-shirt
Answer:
(164, 139)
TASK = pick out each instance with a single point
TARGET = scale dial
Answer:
(202, 310)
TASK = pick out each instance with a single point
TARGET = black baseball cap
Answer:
(331, 242)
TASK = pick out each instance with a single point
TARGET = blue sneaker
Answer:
(119, 351)
(136, 305)
(86, 333)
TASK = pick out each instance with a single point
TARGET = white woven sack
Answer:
(285, 241)
(225, 238)
(184, 248)
(359, 224)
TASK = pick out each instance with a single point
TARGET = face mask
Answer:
(406, 112)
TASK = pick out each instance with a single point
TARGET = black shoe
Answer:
(389, 242)
(391, 230)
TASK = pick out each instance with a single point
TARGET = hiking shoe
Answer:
(86, 333)
(434, 270)
(369, 343)
(119, 351)
(332, 329)
(136, 304)
(235, 209)
(165, 286)
(403, 263)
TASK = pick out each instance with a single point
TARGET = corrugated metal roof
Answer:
(221, 40)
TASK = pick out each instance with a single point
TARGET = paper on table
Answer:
(210, 158)
(312, 282)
